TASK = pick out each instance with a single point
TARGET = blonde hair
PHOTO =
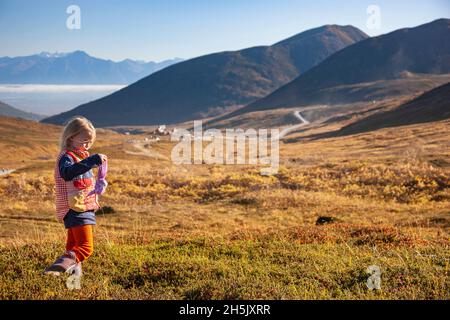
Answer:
(73, 127)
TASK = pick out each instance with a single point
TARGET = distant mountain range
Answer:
(75, 68)
(329, 65)
(359, 72)
(212, 84)
(9, 111)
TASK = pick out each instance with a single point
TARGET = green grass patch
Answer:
(223, 269)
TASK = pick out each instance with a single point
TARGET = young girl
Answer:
(76, 196)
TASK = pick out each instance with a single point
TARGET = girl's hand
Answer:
(103, 157)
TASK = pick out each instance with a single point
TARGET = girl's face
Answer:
(83, 140)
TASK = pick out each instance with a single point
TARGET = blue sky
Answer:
(163, 29)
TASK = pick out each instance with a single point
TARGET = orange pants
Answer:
(81, 241)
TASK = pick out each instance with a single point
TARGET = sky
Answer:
(155, 30)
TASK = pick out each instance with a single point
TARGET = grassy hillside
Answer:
(431, 106)
(28, 142)
(210, 232)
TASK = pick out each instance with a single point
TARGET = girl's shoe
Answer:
(77, 270)
(74, 280)
(66, 263)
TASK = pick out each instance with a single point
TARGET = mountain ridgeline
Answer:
(74, 68)
(212, 84)
(361, 71)
(9, 111)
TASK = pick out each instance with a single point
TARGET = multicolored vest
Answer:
(75, 194)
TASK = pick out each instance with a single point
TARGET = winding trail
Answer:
(294, 127)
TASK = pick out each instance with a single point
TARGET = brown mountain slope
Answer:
(347, 75)
(212, 83)
(431, 106)
(354, 100)
(9, 111)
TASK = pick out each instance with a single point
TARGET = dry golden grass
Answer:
(208, 232)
